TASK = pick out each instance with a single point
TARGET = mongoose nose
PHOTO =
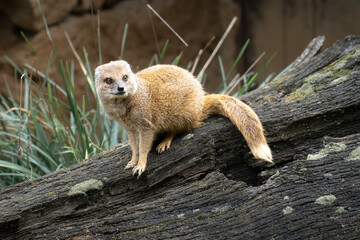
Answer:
(121, 89)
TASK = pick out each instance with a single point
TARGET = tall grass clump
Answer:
(43, 133)
(48, 128)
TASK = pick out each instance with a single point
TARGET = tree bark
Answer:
(208, 186)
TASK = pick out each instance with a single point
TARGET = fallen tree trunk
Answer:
(208, 185)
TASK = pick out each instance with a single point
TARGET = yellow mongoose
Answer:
(168, 99)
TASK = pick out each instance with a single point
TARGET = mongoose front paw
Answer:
(130, 165)
(139, 170)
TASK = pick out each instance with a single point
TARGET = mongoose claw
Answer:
(164, 145)
(138, 170)
(161, 148)
(129, 165)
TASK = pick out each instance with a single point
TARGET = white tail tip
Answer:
(263, 152)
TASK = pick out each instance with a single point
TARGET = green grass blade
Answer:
(254, 77)
(8, 145)
(223, 77)
(163, 51)
(4, 130)
(44, 169)
(27, 92)
(10, 96)
(6, 104)
(267, 79)
(16, 167)
(238, 58)
(98, 33)
(177, 59)
(189, 65)
(90, 77)
(282, 72)
(83, 104)
(23, 140)
(152, 60)
(33, 49)
(123, 41)
(44, 20)
(17, 69)
(12, 174)
(40, 133)
(45, 76)
(114, 133)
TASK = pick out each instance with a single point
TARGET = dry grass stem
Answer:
(247, 71)
(26, 111)
(201, 51)
(80, 62)
(154, 32)
(176, 34)
(218, 46)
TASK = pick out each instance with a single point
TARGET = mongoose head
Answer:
(115, 80)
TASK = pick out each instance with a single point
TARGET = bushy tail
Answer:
(245, 120)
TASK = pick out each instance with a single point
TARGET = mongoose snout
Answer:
(121, 89)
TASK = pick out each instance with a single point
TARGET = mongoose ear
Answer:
(125, 64)
(98, 72)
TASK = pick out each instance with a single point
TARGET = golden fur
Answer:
(167, 98)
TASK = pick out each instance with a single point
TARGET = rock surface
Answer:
(140, 46)
(26, 13)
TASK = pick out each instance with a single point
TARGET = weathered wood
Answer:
(321, 98)
(208, 185)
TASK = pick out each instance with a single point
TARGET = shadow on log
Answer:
(208, 186)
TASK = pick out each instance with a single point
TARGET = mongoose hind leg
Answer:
(165, 144)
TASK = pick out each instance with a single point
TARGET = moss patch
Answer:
(340, 210)
(340, 63)
(325, 200)
(314, 81)
(221, 209)
(301, 92)
(317, 77)
(83, 187)
(279, 80)
(182, 215)
(287, 210)
(268, 98)
(215, 212)
(354, 155)
(339, 80)
(330, 148)
(328, 175)
(188, 136)
(339, 73)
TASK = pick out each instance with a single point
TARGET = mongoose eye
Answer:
(125, 77)
(108, 80)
